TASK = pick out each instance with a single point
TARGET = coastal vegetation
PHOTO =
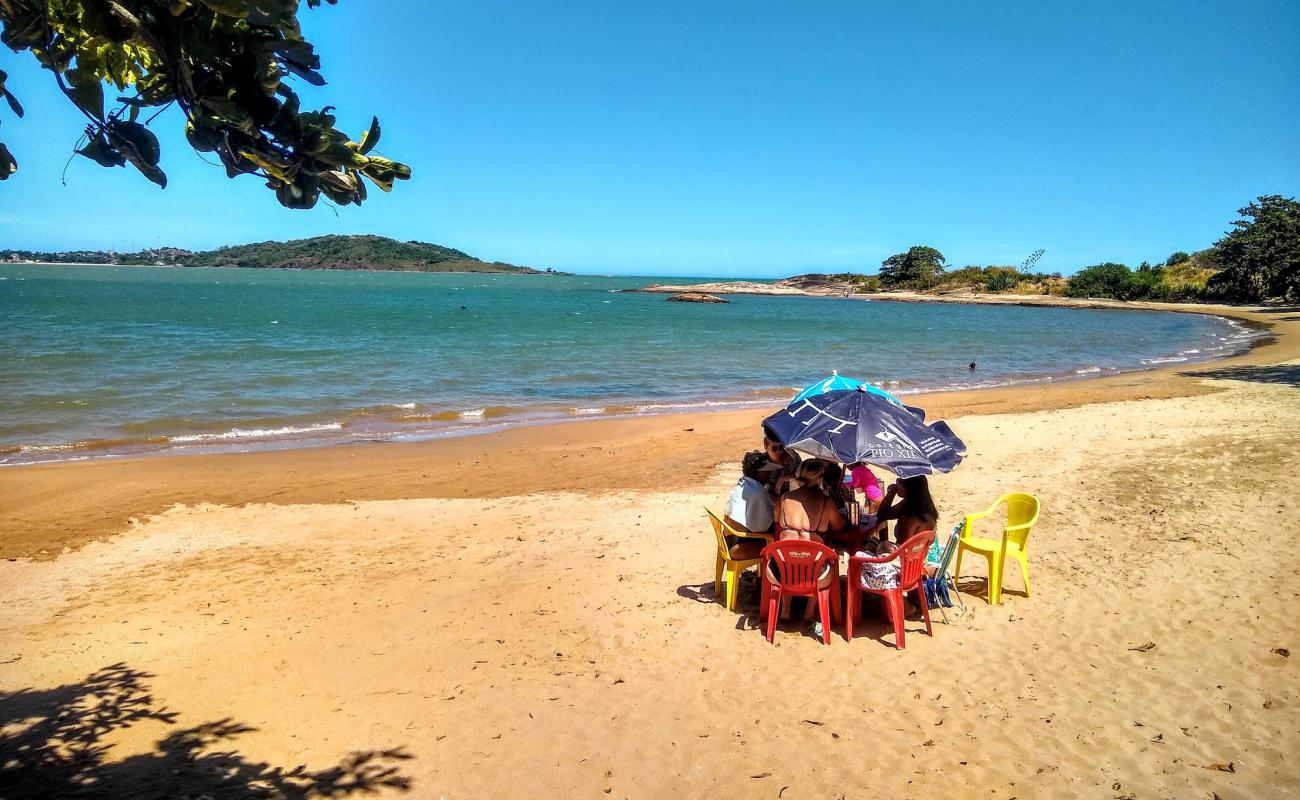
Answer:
(223, 64)
(321, 252)
(1256, 261)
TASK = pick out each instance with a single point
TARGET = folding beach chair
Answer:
(942, 576)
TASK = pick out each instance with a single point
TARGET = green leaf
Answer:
(137, 138)
(371, 137)
(8, 164)
(14, 105)
(87, 91)
(310, 75)
(230, 8)
(230, 112)
(102, 153)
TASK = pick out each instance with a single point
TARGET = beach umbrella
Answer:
(837, 383)
(859, 425)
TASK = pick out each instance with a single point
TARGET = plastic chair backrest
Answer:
(911, 558)
(950, 549)
(1022, 514)
(801, 564)
(719, 530)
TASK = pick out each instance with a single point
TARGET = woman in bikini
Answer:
(807, 513)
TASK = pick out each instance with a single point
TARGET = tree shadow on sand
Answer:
(54, 744)
(1277, 374)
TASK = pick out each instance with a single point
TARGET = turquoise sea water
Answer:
(102, 360)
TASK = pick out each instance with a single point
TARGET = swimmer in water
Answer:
(972, 366)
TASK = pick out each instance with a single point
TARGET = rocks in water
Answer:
(697, 297)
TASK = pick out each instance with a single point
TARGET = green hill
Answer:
(321, 252)
(350, 252)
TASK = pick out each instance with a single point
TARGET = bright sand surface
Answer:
(531, 614)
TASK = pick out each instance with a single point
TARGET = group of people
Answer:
(789, 497)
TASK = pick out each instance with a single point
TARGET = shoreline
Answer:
(47, 507)
(368, 426)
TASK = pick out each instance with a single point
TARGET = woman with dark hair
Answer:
(909, 505)
(787, 461)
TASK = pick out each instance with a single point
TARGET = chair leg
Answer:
(850, 612)
(925, 612)
(896, 611)
(824, 606)
(717, 576)
(837, 610)
(773, 612)
(995, 580)
(1024, 570)
(952, 583)
(733, 582)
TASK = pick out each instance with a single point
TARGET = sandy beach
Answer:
(530, 614)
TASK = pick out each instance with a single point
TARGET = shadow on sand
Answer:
(1277, 374)
(871, 624)
(56, 744)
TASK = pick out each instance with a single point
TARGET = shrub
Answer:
(1001, 279)
(866, 284)
(1102, 280)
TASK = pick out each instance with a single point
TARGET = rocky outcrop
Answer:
(696, 297)
(803, 285)
(724, 287)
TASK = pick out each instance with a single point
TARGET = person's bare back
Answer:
(809, 511)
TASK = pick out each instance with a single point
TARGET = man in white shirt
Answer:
(749, 508)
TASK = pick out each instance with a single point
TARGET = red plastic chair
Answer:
(911, 569)
(806, 569)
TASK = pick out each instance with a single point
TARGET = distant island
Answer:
(320, 252)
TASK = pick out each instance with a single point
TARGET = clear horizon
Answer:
(739, 140)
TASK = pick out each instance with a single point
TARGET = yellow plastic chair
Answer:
(727, 566)
(1022, 513)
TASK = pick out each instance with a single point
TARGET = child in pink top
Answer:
(864, 479)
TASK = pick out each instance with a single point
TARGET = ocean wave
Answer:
(1169, 360)
(255, 433)
(1087, 371)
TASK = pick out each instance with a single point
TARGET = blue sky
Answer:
(740, 138)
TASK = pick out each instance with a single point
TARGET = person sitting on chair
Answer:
(807, 512)
(749, 508)
(786, 462)
(915, 511)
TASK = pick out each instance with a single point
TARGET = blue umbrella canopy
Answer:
(837, 383)
(858, 425)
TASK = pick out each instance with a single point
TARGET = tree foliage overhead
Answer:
(1261, 255)
(918, 268)
(223, 63)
